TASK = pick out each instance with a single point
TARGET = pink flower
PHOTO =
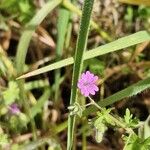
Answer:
(14, 109)
(87, 84)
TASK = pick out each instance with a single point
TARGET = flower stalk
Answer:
(115, 120)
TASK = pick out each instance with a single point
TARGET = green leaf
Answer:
(129, 15)
(76, 109)
(23, 47)
(103, 117)
(95, 66)
(5, 3)
(24, 6)
(131, 142)
(136, 2)
(62, 25)
(136, 143)
(144, 12)
(127, 92)
(116, 45)
(127, 116)
(80, 48)
(147, 141)
(22, 10)
(37, 84)
(100, 127)
(98, 136)
(18, 122)
(11, 93)
(130, 121)
(29, 30)
(37, 108)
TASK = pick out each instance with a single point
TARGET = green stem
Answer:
(127, 141)
(88, 104)
(80, 49)
(118, 122)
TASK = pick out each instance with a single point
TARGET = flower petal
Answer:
(87, 83)
(95, 88)
(95, 78)
(92, 92)
(85, 92)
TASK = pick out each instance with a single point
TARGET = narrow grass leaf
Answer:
(40, 103)
(116, 45)
(80, 48)
(127, 92)
(119, 44)
(62, 25)
(59, 128)
(36, 84)
(135, 2)
(29, 30)
(22, 51)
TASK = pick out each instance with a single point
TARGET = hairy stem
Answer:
(115, 120)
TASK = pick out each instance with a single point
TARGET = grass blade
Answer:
(40, 103)
(135, 2)
(27, 34)
(36, 84)
(22, 51)
(80, 48)
(116, 45)
(127, 92)
(63, 21)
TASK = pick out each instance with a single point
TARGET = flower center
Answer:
(86, 83)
